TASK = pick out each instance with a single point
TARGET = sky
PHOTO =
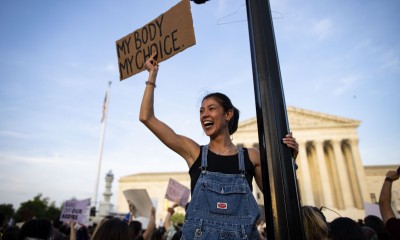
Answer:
(57, 57)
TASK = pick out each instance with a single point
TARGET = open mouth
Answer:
(208, 124)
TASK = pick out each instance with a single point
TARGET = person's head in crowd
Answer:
(112, 229)
(136, 228)
(344, 228)
(319, 211)
(369, 233)
(11, 233)
(36, 228)
(57, 223)
(377, 224)
(82, 233)
(157, 234)
(315, 227)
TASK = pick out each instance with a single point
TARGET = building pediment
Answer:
(306, 119)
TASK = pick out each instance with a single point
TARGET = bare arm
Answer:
(385, 197)
(150, 227)
(167, 221)
(254, 155)
(72, 231)
(182, 145)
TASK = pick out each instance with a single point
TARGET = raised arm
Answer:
(151, 226)
(182, 145)
(385, 197)
(167, 221)
(72, 231)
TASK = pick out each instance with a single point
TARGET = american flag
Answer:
(105, 103)
(104, 108)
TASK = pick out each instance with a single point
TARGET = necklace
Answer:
(226, 148)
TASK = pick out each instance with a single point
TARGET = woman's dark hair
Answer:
(375, 223)
(226, 105)
(136, 228)
(344, 228)
(113, 229)
(82, 233)
(36, 228)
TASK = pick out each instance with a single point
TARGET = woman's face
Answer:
(213, 118)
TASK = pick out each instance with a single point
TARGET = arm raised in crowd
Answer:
(151, 226)
(385, 197)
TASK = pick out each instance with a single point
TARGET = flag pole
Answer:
(103, 128)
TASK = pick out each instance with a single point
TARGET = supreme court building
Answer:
(330, 174)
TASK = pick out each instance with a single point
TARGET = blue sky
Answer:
(340, 58)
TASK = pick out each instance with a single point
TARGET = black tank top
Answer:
(222, 164)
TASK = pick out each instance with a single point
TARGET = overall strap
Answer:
(242, 167)
(204, 152)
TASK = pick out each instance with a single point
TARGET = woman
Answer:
(315, 227)
(222, 204)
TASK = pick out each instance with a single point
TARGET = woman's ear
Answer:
(229, 115)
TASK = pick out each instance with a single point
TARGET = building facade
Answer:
(330, 174)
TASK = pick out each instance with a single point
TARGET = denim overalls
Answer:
(222, 206)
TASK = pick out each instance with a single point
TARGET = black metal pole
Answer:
(281, 198)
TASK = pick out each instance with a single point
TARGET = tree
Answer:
(39, 208)
(178, 218)
(7, 210)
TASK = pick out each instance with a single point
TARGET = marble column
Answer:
(306, 186)
(324, 177)
(359, 168)
(343, 174)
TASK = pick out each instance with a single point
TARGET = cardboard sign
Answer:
(168, 34)
(177, 193)
(76, 211)
(140, 200)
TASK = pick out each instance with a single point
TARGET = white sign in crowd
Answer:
(76, 211)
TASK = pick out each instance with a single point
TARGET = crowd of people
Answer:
(222, 205)
(316, 226)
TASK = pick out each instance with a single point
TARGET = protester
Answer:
(169, 227)
(377, 224)
(344, 228)
(137, 230)
(222, 204)
(315, 227)
(36, 228)
(389, 218)
(11, 233)
(81, 234)
(112, 229)
(369, 233)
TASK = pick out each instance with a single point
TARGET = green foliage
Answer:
(7, 210)
(178, 218)
(38, 207)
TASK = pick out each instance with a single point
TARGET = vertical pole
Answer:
(103, 129)
(281, 198)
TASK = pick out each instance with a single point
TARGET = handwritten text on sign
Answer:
(168, 34)
(76, 211)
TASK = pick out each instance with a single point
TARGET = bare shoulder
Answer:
(254, 155)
